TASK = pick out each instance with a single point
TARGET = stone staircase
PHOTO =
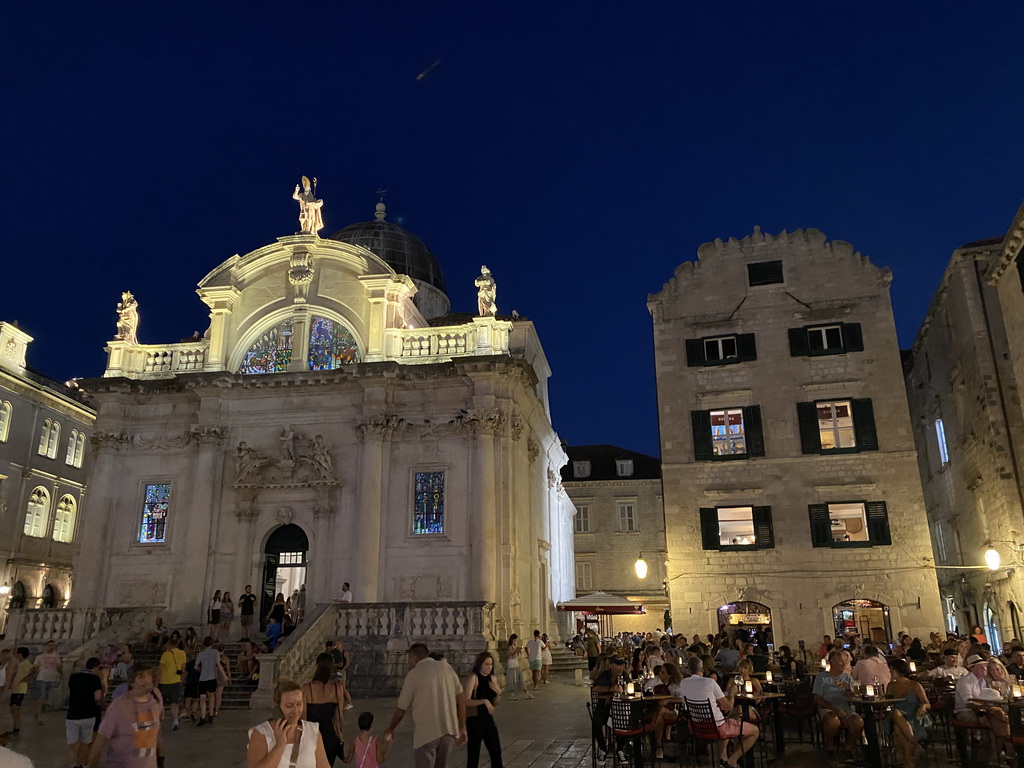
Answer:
(564, 661)
(237, 694)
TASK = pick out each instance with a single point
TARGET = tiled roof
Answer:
(602, 460)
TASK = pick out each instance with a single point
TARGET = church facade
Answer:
(334, 424)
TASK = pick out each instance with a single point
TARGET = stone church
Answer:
(335, 423)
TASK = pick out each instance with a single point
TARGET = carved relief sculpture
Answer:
(320, 453)
(486, 294)
(127, 318)
(311, 218)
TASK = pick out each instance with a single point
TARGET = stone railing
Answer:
(155, 361)
(294, 658)
(483, 336)
(415, 620)
(68, 627)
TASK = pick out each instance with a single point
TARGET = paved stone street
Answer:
(551, 731)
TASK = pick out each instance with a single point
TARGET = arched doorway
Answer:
(750, 621)
(284, 568)
(868, 619)
(49, 597)
(17, 595)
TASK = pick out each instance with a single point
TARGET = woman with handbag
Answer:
(290, 742)
(324, 698)
(909, 718)
(481, 691)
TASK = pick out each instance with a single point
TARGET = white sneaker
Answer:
(621, 757)
(529, 695)
(514, 697)
(602, 758)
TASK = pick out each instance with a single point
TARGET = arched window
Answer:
(72, 442)
(272, 351)
(64, 522)
(51, 449)
(331, 345)
(44, 437)
(80, 449)
(5, 420)
(37, 513)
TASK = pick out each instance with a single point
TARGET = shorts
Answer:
(730, 729)
(215, 616)
(17, 699)
(79, 731)
(171, 692)
(42, 688)
(191, 690)
(207, 686)
(536, 664)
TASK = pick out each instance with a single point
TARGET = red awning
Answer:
(601, 603)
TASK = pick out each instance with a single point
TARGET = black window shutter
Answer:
(694, 352)
(745, 347)
(753, 431)
(702, 450)
(821, 525)
(853, 339)
(709, 535)
(878, 522)
(798, 344)
(864, 425)
(810, 437)
(764, 531)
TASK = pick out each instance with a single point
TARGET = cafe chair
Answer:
(593, 741)
(629, 727)
(962, 731)
(705, 729)
(799, 706)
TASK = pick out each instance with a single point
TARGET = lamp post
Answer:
(640, 566)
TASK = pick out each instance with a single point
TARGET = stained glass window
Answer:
(272, 351)
(154, 514)
(331, 345)
(428, 503)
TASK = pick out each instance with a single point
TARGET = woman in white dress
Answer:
(545, 658)
(289, 741)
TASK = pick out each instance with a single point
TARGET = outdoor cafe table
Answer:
(749, 700)
(867, 708)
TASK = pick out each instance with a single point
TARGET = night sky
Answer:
(581, 150)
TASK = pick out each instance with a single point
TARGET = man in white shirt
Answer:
(950, 669)
(346, 593)
(697, 688)
(872, 669)
(433, 693)
(535, 654)
(969, 689)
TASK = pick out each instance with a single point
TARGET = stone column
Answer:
(202, 532)
(369, 518)
(94, 524)
(483, 511)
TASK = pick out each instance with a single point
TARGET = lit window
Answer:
(428, 503)
(271, 353)
(64, 522)
(718, 349)
(726, 528)
(826, 338)
(37, 513)
(331, 345)
(44, 437)
(624, 467)
(736, 526)
(835, 425)
(291, 558)
(69, 457)
(849, 522)
(584, 576)
(627, 519)
(54, 441)
(727, 435)
(80, 449)
(940, 434)
(153, 529)
(581, 469)
(5, 420)
(582, 521)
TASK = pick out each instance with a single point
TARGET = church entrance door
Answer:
(284, 568)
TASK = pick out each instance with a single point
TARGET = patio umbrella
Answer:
(602, 603)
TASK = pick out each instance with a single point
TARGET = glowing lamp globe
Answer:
(992, 559)
(641, 567)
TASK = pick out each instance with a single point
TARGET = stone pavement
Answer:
(550, 731)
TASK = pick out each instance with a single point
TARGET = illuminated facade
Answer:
(333, 424)
(787, 451)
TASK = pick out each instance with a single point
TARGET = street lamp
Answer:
(640, 566)
(992, 559)
(5, 590)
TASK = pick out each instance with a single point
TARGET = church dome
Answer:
(401, 249)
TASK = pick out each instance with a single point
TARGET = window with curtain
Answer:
(37, 513)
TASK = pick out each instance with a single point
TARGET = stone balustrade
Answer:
(483, 336)
(68, 627)
(155, 361)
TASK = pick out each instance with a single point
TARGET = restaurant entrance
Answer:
(746, 619)
(867, 619)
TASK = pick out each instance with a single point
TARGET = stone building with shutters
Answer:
(44, 457)
(619, 518)
(335, 423)
(790, 480)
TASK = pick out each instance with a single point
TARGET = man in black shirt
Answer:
(246, 604)
(605, 686)
(1016, 665)
(85, 690)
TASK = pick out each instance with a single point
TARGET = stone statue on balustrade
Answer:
(127, 318)
(486, 294)
(288, 438)
(311, 217)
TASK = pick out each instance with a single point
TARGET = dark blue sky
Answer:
(581, 150)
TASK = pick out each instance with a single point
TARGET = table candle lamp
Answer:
(1018, 692)
(748, 686)
(913, 667)
(629, 689)
(768, 676)
(869, 691)
(824, 664)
